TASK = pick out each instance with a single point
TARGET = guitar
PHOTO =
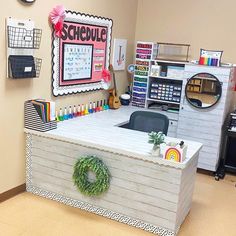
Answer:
(113, 101)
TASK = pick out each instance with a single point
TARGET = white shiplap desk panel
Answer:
(204, 125)
(145, 191)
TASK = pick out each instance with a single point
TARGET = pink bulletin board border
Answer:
(95, 76)
(73, 86)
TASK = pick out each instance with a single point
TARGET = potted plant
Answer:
(156, 139)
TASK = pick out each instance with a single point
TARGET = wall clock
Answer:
(28, 1)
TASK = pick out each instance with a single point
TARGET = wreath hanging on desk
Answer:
(80, 176)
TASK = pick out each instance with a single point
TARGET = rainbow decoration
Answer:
(173, 154)
(210, 58)
(209, 61)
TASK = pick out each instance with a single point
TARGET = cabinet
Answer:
(195, 86)
(228, 147)
(164, 89)
(145, 52)
(204, 125)
(202, 85)
(165, 85)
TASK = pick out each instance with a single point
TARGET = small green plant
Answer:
(156, 139)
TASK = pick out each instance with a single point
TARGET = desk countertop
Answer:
(100, 130)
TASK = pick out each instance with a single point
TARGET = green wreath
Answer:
(80, 176)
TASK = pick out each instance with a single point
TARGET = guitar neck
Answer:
(113, 74)
(113, 77)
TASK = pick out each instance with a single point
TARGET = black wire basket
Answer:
(20, 66)
(23, 38)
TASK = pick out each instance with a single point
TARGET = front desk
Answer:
(145, 191)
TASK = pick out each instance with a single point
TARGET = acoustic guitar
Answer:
(113, 101)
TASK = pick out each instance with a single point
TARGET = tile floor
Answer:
(213, 213)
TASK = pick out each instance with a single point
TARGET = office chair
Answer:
(147, 121)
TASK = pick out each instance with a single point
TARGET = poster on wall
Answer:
(119, 54)
(81, 53)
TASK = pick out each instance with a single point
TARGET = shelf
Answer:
(137, 82)
(142, 76)
(139, 91)
(204, 78)
(195, 84)
(141, 70)
(157, 100)
(173, 51)
(194, 91)
(172, 62)
(230, 168)
(137, 65)
(143, 54)
(135, 74)
(165, 77)
(140, 59)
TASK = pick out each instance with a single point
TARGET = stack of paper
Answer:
(45, 109)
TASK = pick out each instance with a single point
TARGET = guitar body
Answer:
(113, 101)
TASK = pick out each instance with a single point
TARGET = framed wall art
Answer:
(119, 54)
(81, 52)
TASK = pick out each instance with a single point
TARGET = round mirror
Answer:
(203, 90)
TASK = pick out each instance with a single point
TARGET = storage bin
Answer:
(34, 121)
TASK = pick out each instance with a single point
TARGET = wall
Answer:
(203, 24)
(13, 93)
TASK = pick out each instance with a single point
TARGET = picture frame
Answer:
(119, 54)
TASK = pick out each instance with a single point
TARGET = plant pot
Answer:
(156, 151)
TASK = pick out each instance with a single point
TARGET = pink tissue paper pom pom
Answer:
(106, 75)
(58, 29)
(57, 14)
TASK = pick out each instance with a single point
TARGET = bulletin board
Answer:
(81, 53)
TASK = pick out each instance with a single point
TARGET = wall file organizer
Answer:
(34, 120)
(22, 40)
(24, 66)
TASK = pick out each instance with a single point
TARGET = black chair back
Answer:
(196, 102)
(147, 121)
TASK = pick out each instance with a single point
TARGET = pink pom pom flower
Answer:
(57, 16)
(106, 75)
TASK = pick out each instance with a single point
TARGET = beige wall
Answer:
(202, 23)
(13, 93)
